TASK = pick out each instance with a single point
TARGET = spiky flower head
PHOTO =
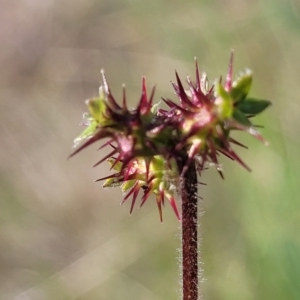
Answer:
(147, 142)
(161, 178)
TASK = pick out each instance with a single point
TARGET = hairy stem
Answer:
(189, 233)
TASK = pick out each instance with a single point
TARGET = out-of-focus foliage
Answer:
(63, 236)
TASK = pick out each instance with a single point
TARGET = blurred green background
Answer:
(61, 235)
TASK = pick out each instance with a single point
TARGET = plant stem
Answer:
(189, 233)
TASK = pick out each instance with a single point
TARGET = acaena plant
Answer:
(161, 152)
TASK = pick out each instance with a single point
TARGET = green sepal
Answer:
(241, 118)
(97, 108)
(225, 103)
(251, 106)
(116, 166)
(88, 132)
(127, 185)
(111, 182)
(241, 87)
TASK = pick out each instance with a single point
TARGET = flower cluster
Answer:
(147, 142)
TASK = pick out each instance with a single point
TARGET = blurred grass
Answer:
(62, 236)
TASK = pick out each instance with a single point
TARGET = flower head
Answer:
(146, 142)
(207, 115)
(161, 179)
